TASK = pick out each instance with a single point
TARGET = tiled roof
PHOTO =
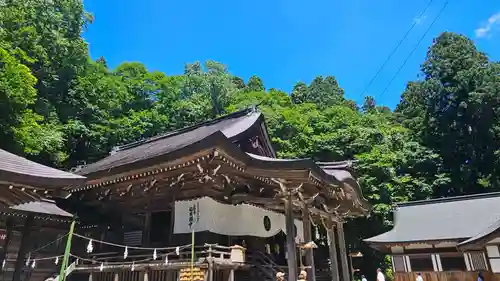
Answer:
(455, 218)
(230, 125)
(45, 207)
(18, 170)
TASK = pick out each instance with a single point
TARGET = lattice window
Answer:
(477, 261)
(132, 238)
(398, 263)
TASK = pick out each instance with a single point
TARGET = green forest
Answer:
(61, 108)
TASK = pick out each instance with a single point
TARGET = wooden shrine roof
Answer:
(207, 154)
(45, 211)
(463, 219)
(338, 172)
(230, 125)
(43, 207)
(17, 170)
(24, 185)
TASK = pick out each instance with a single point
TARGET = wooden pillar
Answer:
(290, 240)
(343, 252)
(146, 232)
(306, 221)
(231, 274)
(334, 264)
(28, 223)
(211, 270)
(8, 236)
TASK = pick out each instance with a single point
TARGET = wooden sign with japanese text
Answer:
(195, 274)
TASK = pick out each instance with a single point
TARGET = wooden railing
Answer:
(446, 276)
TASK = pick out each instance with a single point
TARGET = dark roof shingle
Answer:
(44, 207)
(18, 170)
(230, 125)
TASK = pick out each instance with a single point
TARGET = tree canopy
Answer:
(59, 107)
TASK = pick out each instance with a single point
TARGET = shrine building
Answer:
(31, 224)
(452, 238)
(250, 212)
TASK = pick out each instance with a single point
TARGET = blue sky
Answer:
(285, 41)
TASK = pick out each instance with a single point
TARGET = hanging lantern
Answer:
(177, 250)
(101, 267)
(125, 254)
(33, 264)
(133, 266)
(90, 247)
(166, 259)
(154, 255)
(57, 260)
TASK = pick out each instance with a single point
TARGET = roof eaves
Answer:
(266, 136)
(236, 114)
(449, 199)
(241, 122)
(42, 207)
(482, 235)
(313, 167)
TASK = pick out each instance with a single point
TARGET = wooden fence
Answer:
(445, 276)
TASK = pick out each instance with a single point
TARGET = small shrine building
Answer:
(444, 239)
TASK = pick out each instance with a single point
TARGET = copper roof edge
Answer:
(236, 114)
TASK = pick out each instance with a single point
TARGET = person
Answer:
(280, 276)
(419, 277)
(480, 276)
(363, 278)
(302, 276)
(380, 275)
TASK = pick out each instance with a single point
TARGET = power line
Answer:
(414, 48)
(396, 48)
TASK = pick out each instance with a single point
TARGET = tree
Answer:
(205, 93)
(21, 129)
(325, 92)
(453, 110)
(322, 92)
(299, 93)
(369, 104)
(255, 84)
(45, 36)
(102, 61)
(238, 82)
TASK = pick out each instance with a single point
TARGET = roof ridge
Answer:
(235, 114)
(344, 164)
(449, 199)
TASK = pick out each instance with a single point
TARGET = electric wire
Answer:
(415, 47)
(396, 48)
